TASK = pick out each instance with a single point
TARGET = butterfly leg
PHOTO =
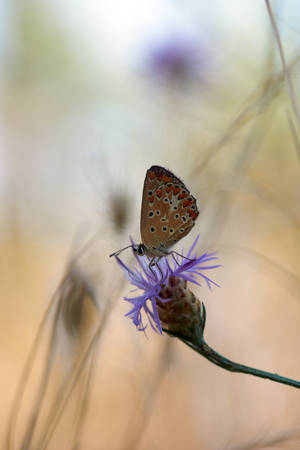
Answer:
(182, 256)
(159, 268)
(175, 260)
(154, 262)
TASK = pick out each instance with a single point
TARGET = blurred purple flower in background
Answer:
(157, 283)
(178, 57)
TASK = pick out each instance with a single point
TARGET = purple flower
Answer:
(151, 281)
(178, 57)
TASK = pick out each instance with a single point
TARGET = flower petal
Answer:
(151, 279)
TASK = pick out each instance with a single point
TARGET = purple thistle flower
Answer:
(178, 57)
(154, 281)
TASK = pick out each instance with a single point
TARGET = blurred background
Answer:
(93, 93)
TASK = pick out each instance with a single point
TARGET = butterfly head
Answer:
(140, 249)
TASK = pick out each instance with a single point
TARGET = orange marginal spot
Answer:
(166, 179)
(160, 177)
(192, 213)
(151, 175)
(187, 203)
(176, 190)
(151, 199)
(159, 193)
(169, 189)
(180, 196)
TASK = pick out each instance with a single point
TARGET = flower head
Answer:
(178, 57)
(163, 282)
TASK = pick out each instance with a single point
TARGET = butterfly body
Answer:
(160, 251)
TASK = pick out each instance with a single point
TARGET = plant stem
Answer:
(201, 347)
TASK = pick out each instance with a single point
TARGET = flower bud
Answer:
(182, 313)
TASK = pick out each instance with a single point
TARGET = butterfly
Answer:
(168, 213)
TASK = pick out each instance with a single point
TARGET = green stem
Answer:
(201, 347)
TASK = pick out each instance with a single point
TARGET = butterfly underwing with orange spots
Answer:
(169, 212)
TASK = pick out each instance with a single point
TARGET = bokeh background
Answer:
(93, 93)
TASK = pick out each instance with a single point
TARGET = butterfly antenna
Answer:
(119, 251)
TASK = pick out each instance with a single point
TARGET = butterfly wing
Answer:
(168, 211)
